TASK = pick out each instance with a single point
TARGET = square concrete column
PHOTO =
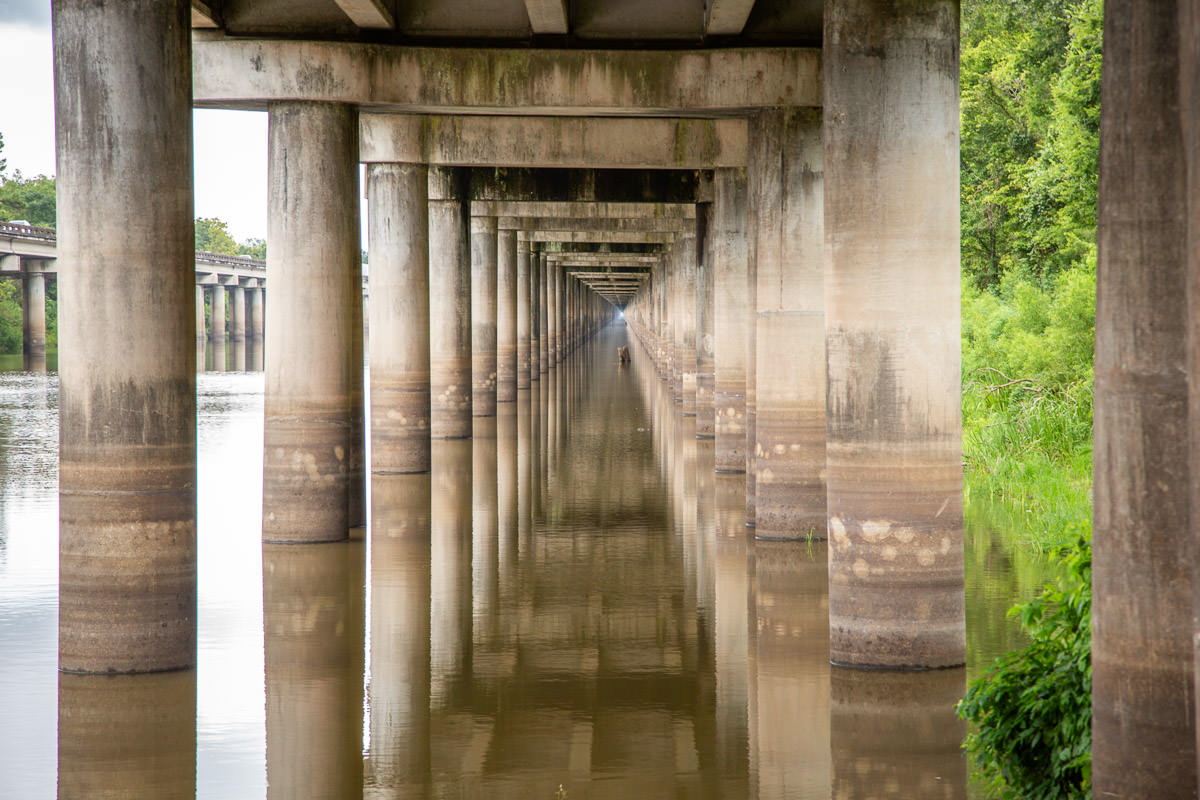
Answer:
(1144, 530)
(789, 450)
(449, 304)
(894, 429)
(483, 316)
(523, 319)
(705, 356)
(314, 335)
(237, 313)
(217, 316)
(398, 230)
(506, 316)
(127, 455)
(730, 318)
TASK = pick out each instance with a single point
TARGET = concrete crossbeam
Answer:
(581, 209)
(547, 16)
(608, 237)
(727, 17)
(595, 224)
(367, 13)
(249, 73)
(579, 142)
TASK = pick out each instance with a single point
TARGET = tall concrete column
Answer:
(1144, 532)
(755, 177)
(685, 335)
(483, 316)
(535, 317)
(674, 325)
(127, 454)
(543, 314)
(33, 317)
(201, 325)
(705, 339)
(217, 316)
(560, 335)
(552, 354)
(789, 452)
(398, 227)
(730, 318)
(523, 321)
(313, 263)
(254, 312)
(237, 313)
(449, 305)
(894, 429)
(506, 316)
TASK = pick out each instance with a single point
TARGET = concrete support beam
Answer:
(685, 331)
(217, 322)
(554, 142)
(449, 305)
(894, 430)
(1144, 530)
(755, 177)
(237, 313)
(547, 16)
(250, 73)
(506, 318)
(523, 319)
(789, 451)
(201, 324)
(626, 224)
(254, 311)
(127, 455)
(543, 315)
(483, 316)
(705, 355)
(312, 375)
(535, 333)
(603, 237)
(368, 13)
(203, 15)
(33, 315)
(581, 209)
(727, 17)
(560, 319)
(398, 205)
(552, 354)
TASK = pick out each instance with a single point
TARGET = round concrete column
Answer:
(237, 313)
(755, 177)
(483, 316)
(127, 456)
(543, 314)
(217, 316)
(33, 318)
(892, 297)
(523, 319)
(535, 320)
(789, 452)
(254, 312)
(398, 225)
(730, 318)
(200, 321)
(705, 355)
(449, 305)
(312, 372)
(685, 334)
(506, 316)
(560, 335)
(552, 354)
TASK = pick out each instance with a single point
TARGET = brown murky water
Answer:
(570, 599)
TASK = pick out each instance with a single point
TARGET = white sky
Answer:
(230, 147)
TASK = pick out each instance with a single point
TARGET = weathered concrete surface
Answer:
(237, 314)
(449, 306)
(249, 73)
(543, 314)
(685, 330)
(894, 432)
(127, 447)
(638, 223)
(1143, 723)
(706, 376)
(535, 317)
(524, 331)
(398, 205)
(311, 377)
(254, 312)
(201, 323)
(33, 312)
(789, 450)
(506, 317)
(483, 316)
(218, 318)
(755, 176)
(582, 210)
(552, 348)
(313, 625)
(554, 142)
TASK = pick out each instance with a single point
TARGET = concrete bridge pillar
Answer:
(506, 317)
(730, 318)
(755, 177)
(523, 319)
(535, 316)
(705, 354)
(201, 324)
(449, 304)
(483, 316)
(552, 354)
(894, 429)
(313, 375)
(398, 206)
(789, 451)
(685, 332)
(1147, 366)
(543, 314)
(254, 311)
(237, 313)
(33, 319)
(216, 314)
(127, 457)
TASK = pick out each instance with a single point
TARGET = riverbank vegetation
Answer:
(1030, 81)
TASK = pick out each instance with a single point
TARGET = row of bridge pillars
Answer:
(244, 318)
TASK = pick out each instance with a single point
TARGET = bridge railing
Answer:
(29, 231)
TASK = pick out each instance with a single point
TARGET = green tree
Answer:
(255, 248)
(31, 199)
(212, 236)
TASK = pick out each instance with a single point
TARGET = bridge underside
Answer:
(768, 189)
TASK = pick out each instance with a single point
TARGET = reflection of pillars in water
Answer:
(237, 355)
(552, 384)
(536, 483)
(484, 525)
(684, 496)
(524, 475)
(216, 358)
(895, 734)
(398, 764)
(127, 736)
(450, 566)
(792, 660)
(731, 641)
(254, 355)
(506, 503)
(705, 529)
(313, 654)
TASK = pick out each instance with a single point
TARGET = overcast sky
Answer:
(230, 146)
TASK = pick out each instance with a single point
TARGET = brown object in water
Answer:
(622, 355)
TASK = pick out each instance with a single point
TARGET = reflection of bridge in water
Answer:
(30, 254)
